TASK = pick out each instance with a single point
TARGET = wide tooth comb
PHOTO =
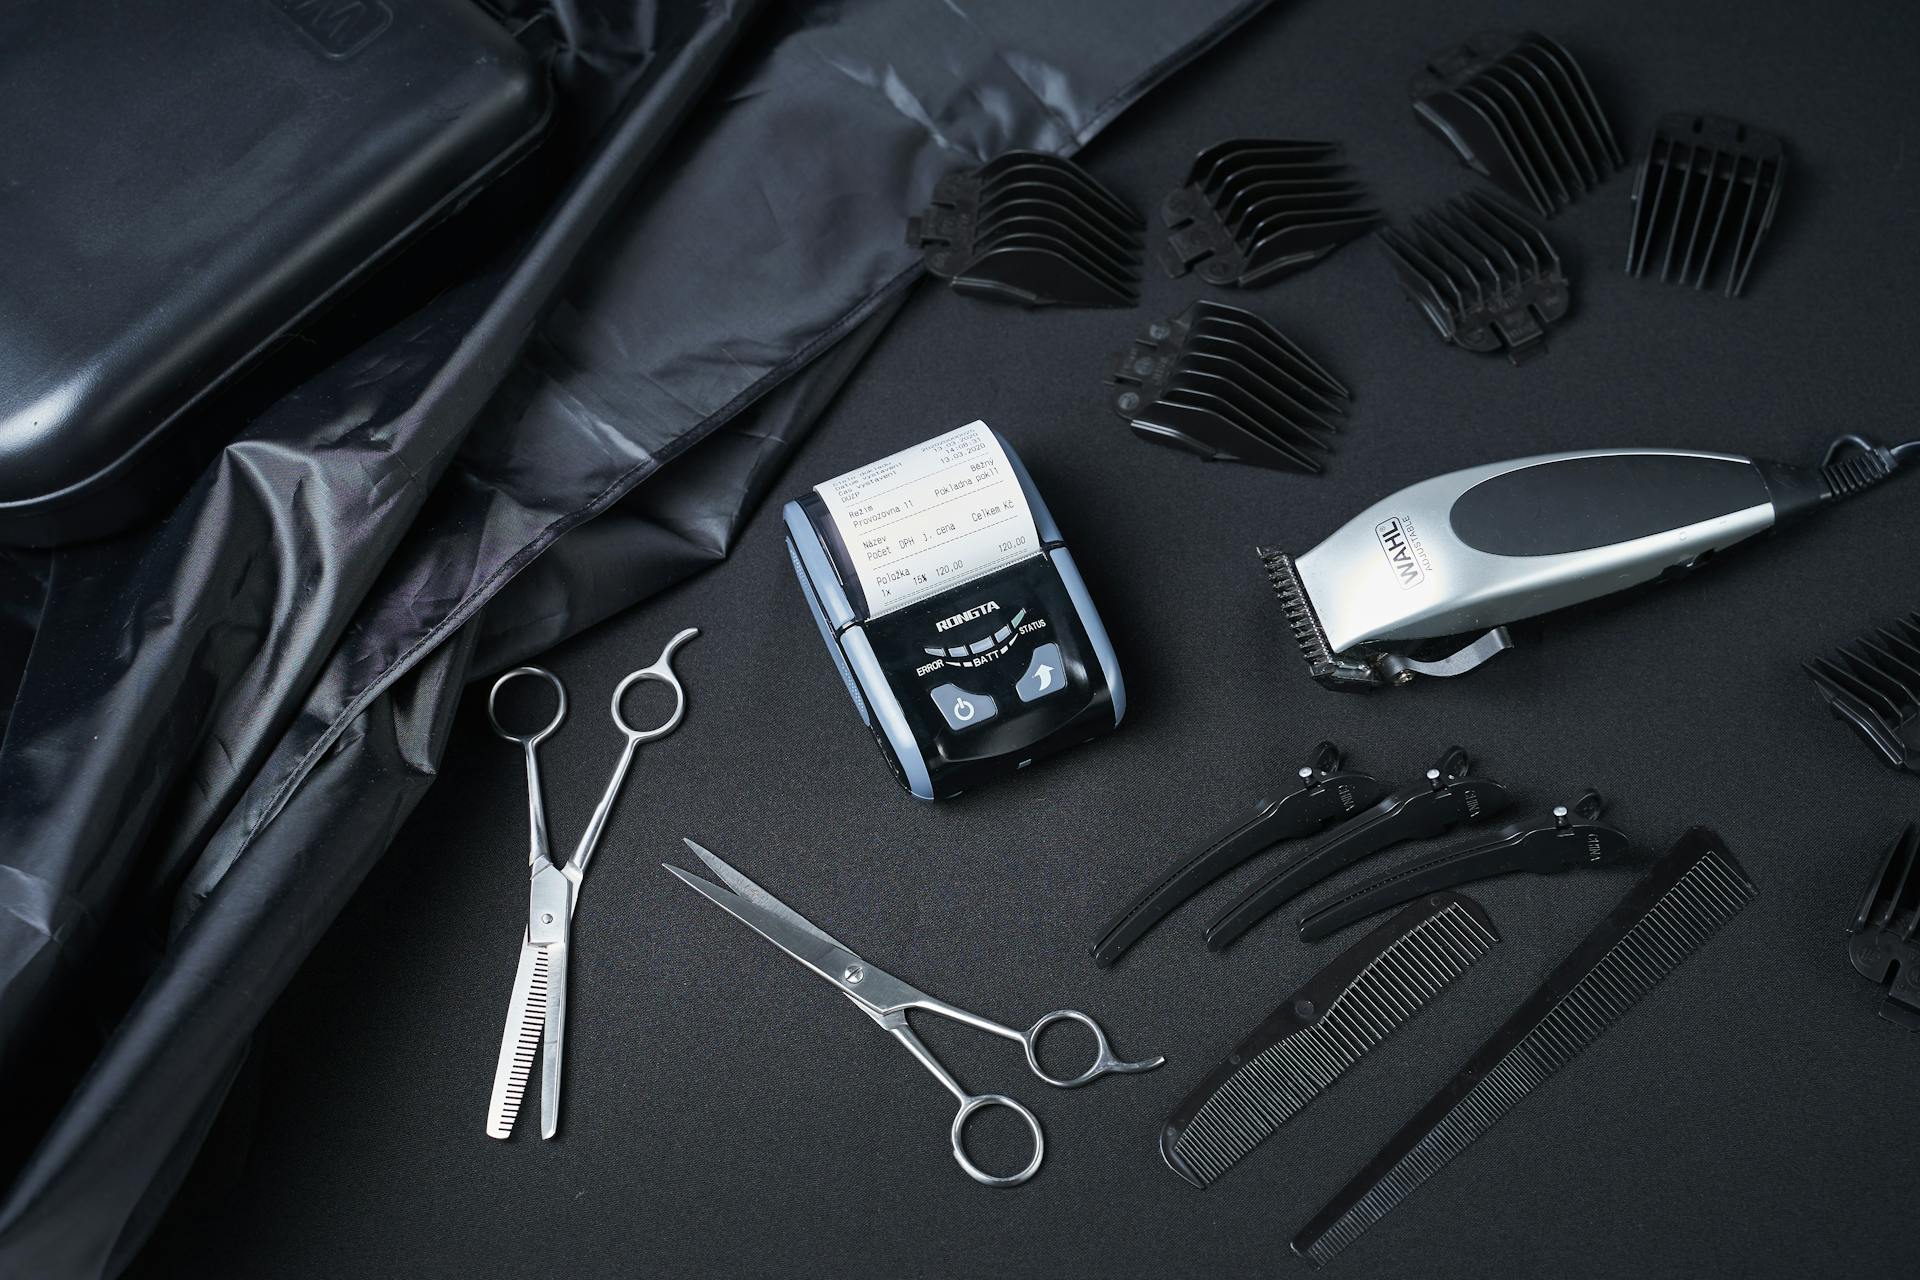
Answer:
(1693, 889)
(1319, 1032)
(1031, 228)
(1223, 383)
(1874, 685)
(1704, 200)
(1482, 274)
(1518, 108)
(1886, 930)
(1255, 209)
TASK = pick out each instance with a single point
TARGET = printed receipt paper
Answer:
(929, 518)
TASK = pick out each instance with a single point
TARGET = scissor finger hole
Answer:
(1065, 1048)
(526, 704)
(1003, 1135)
(646, 705)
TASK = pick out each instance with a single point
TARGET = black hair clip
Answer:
(1031, 228)
(1223, 383)
(1326, 792)
(1447, 797)
(1707, 183)
(1542, 848)
(1255, 209)
(1482, 274)
(1885, 946)
(1874, 685)
(1518, 108)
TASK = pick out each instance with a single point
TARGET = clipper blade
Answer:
(1705, 196)
(1031, 228)
(1325, 666)
(1255, 209)
(1482, 274)
(1223, 383)
(1874, 685)
(1518, 108)
(1885, 946)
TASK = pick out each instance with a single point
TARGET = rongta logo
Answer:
(341, 28)
(1393, 541)
(978, 611)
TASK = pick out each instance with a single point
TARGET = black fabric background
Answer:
(725, 1114)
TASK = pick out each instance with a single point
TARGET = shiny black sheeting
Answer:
(727, 1115)
(222, 720)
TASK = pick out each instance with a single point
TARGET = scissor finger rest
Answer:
(1103, 1060)
(981, 1102)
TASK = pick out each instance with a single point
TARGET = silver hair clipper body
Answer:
(1463, 554)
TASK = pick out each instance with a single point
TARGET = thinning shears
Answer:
(537, 1013)
(886, 999)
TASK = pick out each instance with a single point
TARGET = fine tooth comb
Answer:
(1704, 200)
(1692, 890)
(1573, 837)
(1031, 228)
(1518, 108)
(1222, 383)
(1886, 930)
(1874, 685)
(1356, 1001)
(1256, 209)
(1483, 275)
(1327, 792)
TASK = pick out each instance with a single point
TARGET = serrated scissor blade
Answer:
(520, 1041)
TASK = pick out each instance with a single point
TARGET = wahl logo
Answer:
(1393, 541)
(341, 28)
(978, 611)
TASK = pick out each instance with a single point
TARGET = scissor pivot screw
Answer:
(546, 917)
(854, 974)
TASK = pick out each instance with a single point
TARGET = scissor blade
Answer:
(520, 1041)
(753, 893)
(801, 941)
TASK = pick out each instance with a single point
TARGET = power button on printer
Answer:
(961, 709)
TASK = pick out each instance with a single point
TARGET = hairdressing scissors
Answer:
(537, 1014)
(886, 999)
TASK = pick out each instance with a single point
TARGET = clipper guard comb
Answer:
(1704, 200)
(1483, 275)
(1885, 947)
(1518, 108)
(1031, 228)
(1256, 209)
(1223, 383)
(1874, 685)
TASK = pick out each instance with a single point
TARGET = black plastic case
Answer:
(181, 182)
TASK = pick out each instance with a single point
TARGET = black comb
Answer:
(1874, 685)
(1223, 383)
(1031, 228)
(1255, 209)
(1693, 889)
(1356, 1001)
(1886, 930)
(1704, 200)
(1484, 275)
(1518, 108)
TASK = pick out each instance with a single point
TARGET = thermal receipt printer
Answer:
(954, 611)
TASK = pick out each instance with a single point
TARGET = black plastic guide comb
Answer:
(1518, 108)
(1483, 275)
(1693, 889)
(1885, 947)
(1032, 228)
(1704, 200)
(1874, 685)
(1362, 996)
(1223, 383)
(1256, 209)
